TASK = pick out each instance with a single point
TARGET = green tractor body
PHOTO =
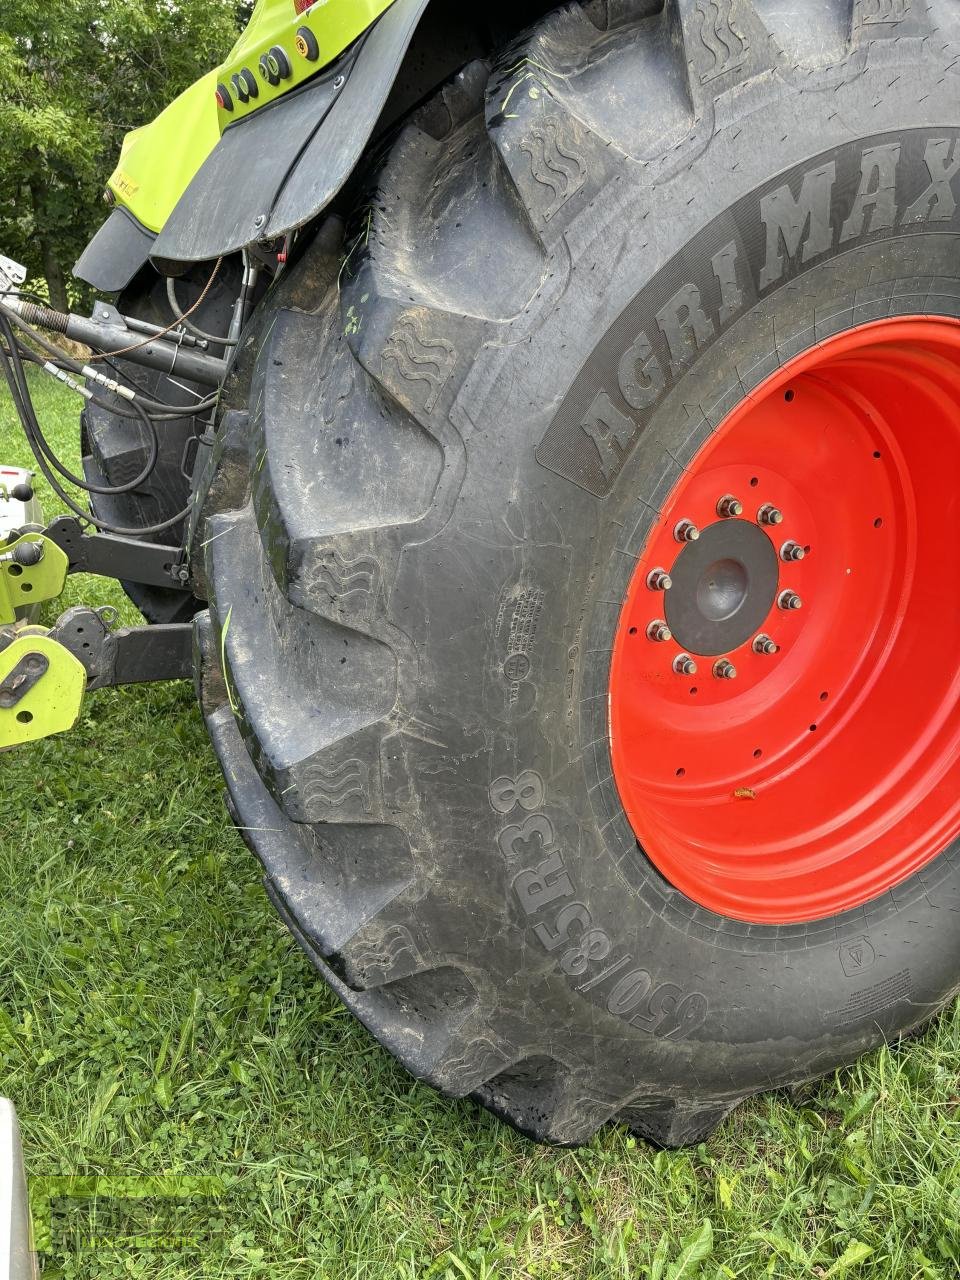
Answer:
(260, 145)
(283, 47)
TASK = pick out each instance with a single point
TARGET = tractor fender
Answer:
(120, 248)
(278, 168)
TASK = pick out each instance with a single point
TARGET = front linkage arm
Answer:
(112, 556)
(127, 655)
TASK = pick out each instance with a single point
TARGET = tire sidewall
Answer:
(717, 1005)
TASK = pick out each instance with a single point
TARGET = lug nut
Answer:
(763, 644)
(729, 506)
(659, 580)
(723, 669)
(789, 600)
(686, 531)
(769, 514)
(658, 631)
(792, 551)
(684, 665)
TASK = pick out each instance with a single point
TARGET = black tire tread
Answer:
(384, 345)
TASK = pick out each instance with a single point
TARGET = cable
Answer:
(116, 407)
(50, 347)
(176, 410)
(103, 355)
(156, 408)
(144, 408)
(105, 490)
(20, 393)
(182, 317)
(24, 293)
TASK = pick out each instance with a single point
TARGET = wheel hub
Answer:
(723, 586)
(784, 690)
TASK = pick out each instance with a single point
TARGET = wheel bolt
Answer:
(684, 665)
(769, 514)
(659, 580)
(789, 600)
(723, 669)
(729, 506)
(792, 551)
(658, 631)
(686, 531)
(763, 644)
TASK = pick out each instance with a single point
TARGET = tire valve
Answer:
(769, 514)
(686, 531)
(684, 665)
(729, 506)
(789, 600)
(724, 669)
(659, 580)
(792, 551)
(658, 631)
(763, 644)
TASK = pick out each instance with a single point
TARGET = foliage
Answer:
(156, 1019)
(77, 75)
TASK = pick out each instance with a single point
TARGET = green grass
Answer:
(156, 1019)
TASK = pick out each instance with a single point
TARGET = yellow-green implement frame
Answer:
(41, 682)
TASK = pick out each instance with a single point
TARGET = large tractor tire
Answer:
(115, 448)
(586, 816)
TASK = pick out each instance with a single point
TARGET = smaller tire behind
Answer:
(114, 448)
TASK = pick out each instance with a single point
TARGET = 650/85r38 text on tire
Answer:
(656, 258)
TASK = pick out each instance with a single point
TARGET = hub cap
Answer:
(724, 585)
(790, 749)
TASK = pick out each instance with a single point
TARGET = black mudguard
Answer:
(278, 168)
(115, 254)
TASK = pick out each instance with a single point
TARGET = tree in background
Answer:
(76, 75)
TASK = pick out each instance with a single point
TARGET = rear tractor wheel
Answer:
(582, 647)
